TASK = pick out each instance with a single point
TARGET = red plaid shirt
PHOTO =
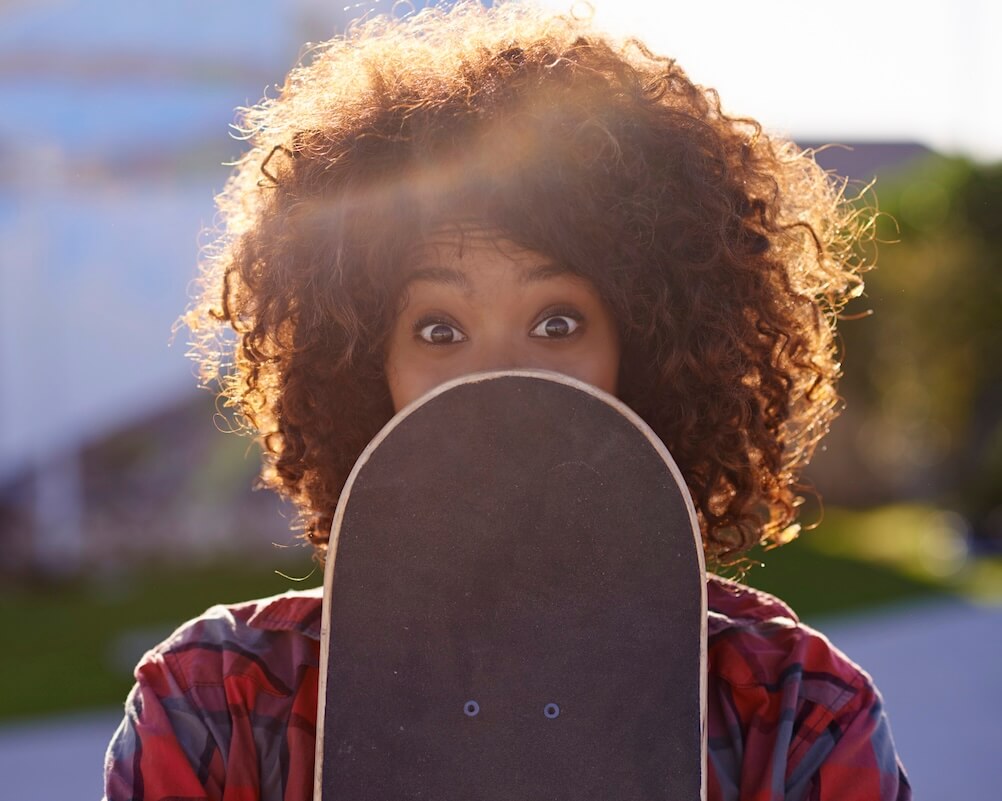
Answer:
(226, 709)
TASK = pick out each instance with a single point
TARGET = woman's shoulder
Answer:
(787, 709)
(266, 641)
(210, 699)
(755, 639)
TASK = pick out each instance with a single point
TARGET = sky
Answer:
(925, 70)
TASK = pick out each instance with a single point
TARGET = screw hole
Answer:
(551, 711)
(471, 709)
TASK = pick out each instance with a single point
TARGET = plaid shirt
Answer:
(226, 709)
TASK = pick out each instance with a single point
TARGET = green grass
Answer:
(856, 561)
(819, 585)
(72, 646)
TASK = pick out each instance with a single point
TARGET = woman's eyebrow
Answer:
(439, 275)
(543, 272)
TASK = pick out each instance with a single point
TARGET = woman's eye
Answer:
(556, 327)
(441, 334)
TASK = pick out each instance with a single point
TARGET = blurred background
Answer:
(125, 510)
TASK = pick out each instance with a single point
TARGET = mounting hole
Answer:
(471, 709)
(551, 711)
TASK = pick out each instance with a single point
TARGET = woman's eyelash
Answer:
(561, 311)
(434, 319)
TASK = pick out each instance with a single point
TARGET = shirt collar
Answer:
(298, 611)
(731, 604)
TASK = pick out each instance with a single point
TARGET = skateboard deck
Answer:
(514, 606)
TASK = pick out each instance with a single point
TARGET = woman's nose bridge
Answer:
(503, 352)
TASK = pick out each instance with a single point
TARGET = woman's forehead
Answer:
(467, 241)
(462, 256)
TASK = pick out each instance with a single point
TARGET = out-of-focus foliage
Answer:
(924, 371)
(857, 561)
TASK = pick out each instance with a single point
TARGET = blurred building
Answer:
(114, 130)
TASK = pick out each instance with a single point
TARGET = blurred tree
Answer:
(925, 371)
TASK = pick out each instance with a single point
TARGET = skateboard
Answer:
(514, 605)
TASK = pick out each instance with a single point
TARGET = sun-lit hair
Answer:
(723, 253)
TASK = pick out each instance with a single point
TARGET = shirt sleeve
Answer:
(855, 756)
(221, 711)
(791, 718)
(160, 750)
(148, 759)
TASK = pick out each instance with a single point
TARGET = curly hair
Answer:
(725, 254)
